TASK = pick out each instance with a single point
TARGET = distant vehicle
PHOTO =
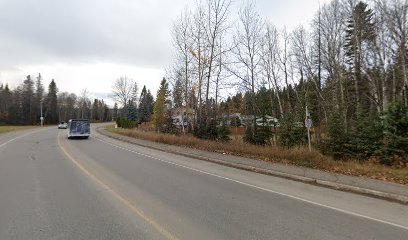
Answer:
(79, 128)
(62, 125)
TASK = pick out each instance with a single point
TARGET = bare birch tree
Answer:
(247, 49)
(124, 90)
(271, 63)
(395, 14)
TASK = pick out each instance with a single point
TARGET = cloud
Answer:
(90, 43)
(122, 31)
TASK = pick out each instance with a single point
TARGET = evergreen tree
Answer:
(263, 102)
(365, 136)
(394, 149)
(262, 135)
(337, 138)
(131, 111)
(145, 105)
(95, 110)
(39, 95)
(178, 93)
(28, 107)
(6, 103)
(107, 116)
(51, 109)
(115, 111)
(223, 132)
(142, 109)
(292, 132)
(360, 29)
(160, 106)
(15, 109)
(149, 104)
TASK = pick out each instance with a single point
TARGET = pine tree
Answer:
(39, 95)
(365, 136)
(159, 111)
(292, 132)
(178, 93)
(360, 29)
(149, 105)
(28, 108)
(51, 109)
(337, 140)
(115, 111)
(95, 110)
(131, 113)
(394, 149)
(145, 105)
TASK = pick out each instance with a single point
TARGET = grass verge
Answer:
(296, 156)
(4, 129)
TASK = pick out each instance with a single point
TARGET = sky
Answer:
(87, 44)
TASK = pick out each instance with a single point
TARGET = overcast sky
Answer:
(90, 43)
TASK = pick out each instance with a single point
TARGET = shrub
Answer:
(235, 122)
(292, 134)
(336, 143)
(125, 123)
(258, 136)
(119, 121)
(213, 132)
(394, 147)
(223, 132)
(365, 137)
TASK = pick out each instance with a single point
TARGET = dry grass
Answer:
(296, 156)
(4, 129)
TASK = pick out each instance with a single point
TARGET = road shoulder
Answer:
(370, 187)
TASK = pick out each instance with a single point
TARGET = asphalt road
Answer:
(100, 188)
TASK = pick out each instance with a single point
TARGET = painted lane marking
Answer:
(257, 187)
(24, 135)
(121, 199)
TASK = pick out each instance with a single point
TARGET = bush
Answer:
(168, 126)
(223, 132)
(125, 123)
(365, 137)
(337, 141)
(119, 121)
(258, 136)
(213, 132)
(394, 147)
(292, 134)
(235, 122)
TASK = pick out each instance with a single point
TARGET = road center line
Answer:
(257, 187)
(123, 200)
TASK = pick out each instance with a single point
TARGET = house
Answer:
(182, 115)
(247, 120)
(267, 121)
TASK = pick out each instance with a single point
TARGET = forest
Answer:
(346, 72)
(24, 104)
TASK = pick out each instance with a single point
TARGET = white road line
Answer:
(257, 187)
(26, 134)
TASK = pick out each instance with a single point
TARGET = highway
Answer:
(101, 188)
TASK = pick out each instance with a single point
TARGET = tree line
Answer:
(347, 72)
(134, 108)
(25, 104)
